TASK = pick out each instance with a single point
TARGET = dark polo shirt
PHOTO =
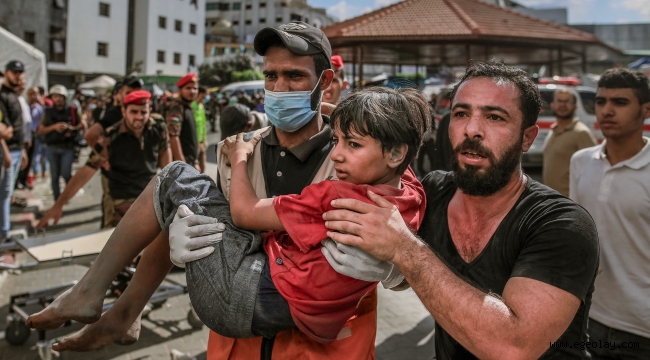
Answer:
(133, 162)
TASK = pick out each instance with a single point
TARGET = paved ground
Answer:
(405, 329)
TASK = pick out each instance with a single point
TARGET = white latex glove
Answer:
(358, 264)
(190, 235)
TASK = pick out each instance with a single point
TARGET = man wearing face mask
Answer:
(293, 153)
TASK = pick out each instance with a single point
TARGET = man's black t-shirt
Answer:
(112, 116)
(545, 236)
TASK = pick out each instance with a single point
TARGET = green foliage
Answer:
(247, 75)
(240, 67)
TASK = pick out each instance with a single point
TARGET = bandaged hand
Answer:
(358, 264)
(190, 235)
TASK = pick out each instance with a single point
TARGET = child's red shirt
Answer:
(320, 299)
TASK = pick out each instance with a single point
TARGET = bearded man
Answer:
(504, 264)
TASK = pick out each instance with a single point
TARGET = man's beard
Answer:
(494, 178)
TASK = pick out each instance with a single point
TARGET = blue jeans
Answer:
(60, 165)
(612, 344)
(7, 190)
(39, 155)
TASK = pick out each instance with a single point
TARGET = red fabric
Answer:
(48, 102)
(337, 62)
(293, 344)
(138, 97)
(320, 299)
(190, 77)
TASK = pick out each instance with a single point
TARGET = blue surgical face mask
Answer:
(291, 110)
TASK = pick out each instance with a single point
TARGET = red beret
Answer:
(337, 62)
(190, 77)
(138, 97)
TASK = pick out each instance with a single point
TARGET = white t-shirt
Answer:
(618, 198)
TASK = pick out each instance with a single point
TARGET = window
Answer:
(278, 19)
(212, 6)
(161, 56)
(162, 22)
(235, 22)
(225, 6)
(588, 101)
(295, 17)
(307, 20)
(193, 29)
(104, 9)
(192, 60)
(236, 6)
(262, 21)
(178, 25)
(248, 22)
(177, 58)
(102, 49)
(262, 5)
(249, 6)
(30, 37)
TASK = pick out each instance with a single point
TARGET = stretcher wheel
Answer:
(17, 333)
(194, 320)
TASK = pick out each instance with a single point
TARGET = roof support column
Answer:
(360, 63)
(583, 59)
(354, 67)
(550, 62)
(468, 55)
(560, 61)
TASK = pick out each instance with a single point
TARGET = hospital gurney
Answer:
(64, 249)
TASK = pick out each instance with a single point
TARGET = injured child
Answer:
(252, 285)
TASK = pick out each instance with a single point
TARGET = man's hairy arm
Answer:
(93, 134)
(518, 325)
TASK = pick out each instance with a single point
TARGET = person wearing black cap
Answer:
(14, 74)
(292, 153)
(112, 116)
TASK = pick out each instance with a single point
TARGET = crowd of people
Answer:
(508, 267)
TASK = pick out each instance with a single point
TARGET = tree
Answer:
(239, 67)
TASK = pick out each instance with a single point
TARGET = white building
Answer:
(94, 40)
(168, 36)
(247, 17)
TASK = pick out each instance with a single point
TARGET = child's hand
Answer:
(239, 150)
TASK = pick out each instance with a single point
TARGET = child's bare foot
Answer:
(108, 330)
(73, 304)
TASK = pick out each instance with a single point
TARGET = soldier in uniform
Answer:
(131, 151)
(180, 121)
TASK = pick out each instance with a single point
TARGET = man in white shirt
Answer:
(612, 181)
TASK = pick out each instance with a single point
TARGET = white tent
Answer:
(99, 84)
(14, 48)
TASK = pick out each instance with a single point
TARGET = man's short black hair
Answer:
(341, 73)
(530, 100)
(321, 62)
(41, 90)
(392, 116)
(203, 89)
(627, 79)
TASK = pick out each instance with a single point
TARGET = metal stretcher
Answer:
(64, 249)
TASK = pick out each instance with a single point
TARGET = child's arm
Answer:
(246, 209)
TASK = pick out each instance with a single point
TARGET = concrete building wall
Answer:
(20, 16)
(622, 36)
(86, 28)
(151, 38)
(250, 16)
